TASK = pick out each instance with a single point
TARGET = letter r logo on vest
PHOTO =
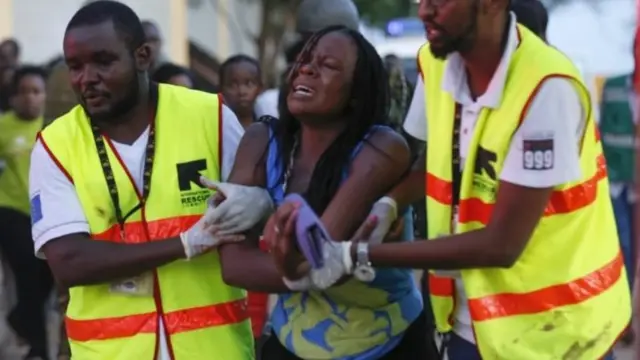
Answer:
(485, 161)
(189, 175)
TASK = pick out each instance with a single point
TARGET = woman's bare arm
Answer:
(383, 160)
(381, 163)
(244, 265)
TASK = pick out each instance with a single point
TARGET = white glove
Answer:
(198, 240)
(302, 284)
(243, 207)
(386, 212)
(337, 264)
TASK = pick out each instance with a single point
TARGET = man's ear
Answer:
(142, 57)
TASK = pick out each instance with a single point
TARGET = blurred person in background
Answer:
(173, 74)
(9, 53)
(153, 37)
(6, 76)
(241, 83)
(312, 16)
(636, 209)
(400, 91)
(33, 279)
(533, 15)
(618, 123)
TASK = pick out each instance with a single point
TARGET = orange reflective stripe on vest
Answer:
(440, 285)
(571, 293)
(136, 231)
(561, 201)
(174, 322)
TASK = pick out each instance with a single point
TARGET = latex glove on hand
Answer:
(242, 208)
(199, 239)
(385, 210)
(337, 257)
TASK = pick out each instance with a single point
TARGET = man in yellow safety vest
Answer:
(117, 207)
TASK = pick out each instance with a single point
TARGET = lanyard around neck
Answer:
(107, 171)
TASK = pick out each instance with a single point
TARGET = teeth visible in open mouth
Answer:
(303, 89)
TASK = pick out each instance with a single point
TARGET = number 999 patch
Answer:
(537, 154)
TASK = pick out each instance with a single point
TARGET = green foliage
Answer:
(379, 11)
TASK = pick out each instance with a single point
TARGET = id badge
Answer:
(136, 286)
(454, 219)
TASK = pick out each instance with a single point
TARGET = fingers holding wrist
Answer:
(298, 285)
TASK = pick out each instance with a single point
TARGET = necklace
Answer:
(292, 158)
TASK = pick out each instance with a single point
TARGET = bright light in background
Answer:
(394, 28)
(599, 40)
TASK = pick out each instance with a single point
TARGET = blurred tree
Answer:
(380, 11)
(277, 20)
(554, 4)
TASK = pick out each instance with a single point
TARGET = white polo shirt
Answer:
(555, 113)
(57, 192)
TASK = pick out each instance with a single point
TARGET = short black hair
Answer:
(148, 22)
(167, 71)
(124, 19)
(532, 14)
(291, 53)
(24, 71)
(15, 46)
(236, 59)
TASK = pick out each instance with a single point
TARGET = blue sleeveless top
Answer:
(352, 321)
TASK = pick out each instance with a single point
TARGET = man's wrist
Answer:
(347, 256)
(353, 251)
(388, 200)
(186, 249)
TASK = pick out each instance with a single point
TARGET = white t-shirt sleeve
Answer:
(267, 103)
(55, 208)
(232, 132)
(545, 150)
(415, 124)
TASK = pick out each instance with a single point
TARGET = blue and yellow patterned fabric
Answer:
(352, 321)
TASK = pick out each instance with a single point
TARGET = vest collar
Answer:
(454, 80)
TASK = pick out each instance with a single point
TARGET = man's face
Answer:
(154, 40)
(105, 73)
(451, 25)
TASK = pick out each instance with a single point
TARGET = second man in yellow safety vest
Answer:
(117, 208)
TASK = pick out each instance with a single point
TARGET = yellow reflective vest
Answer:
(204, 319)
(567, 296)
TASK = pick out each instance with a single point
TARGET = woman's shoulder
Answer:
(260, 131)
(255, 142)
(387, 140)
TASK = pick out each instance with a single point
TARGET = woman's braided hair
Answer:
(369, 106)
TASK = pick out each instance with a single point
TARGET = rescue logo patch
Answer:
(537, 154)
(192, 193)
